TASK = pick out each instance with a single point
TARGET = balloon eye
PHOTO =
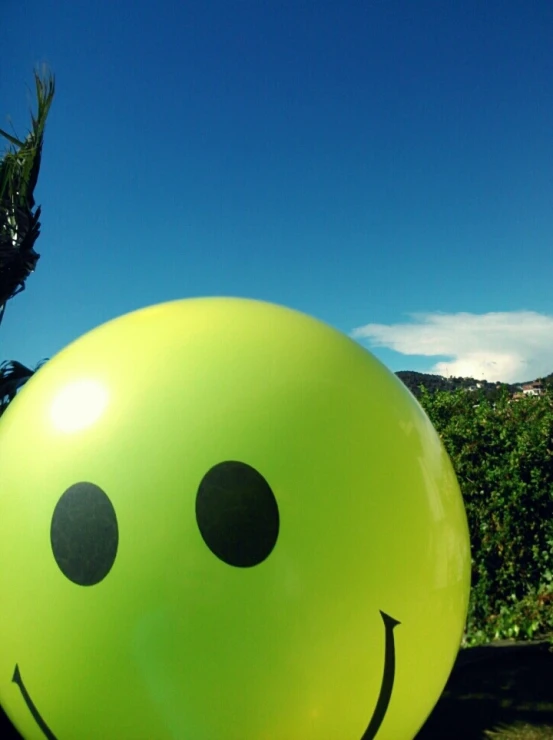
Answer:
(237, 514)
(84, 534)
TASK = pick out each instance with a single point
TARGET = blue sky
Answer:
(384, 165)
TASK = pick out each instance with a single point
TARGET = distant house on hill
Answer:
(533, 389)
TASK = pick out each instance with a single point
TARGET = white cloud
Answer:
(509, 346)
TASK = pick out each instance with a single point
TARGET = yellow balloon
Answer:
(221, 519)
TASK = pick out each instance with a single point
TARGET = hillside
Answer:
(413, 380)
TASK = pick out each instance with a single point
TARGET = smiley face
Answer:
(223, 519)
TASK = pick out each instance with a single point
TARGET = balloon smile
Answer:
(370, 733)
(388, 676)
(30, 704)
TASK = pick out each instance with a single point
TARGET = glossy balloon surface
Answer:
(221, 519)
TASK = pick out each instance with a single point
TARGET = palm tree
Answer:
(13, 375)
(20, 220)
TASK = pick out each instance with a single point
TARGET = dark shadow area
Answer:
(7, 730)
(496, 686)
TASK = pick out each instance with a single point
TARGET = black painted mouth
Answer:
(370, 733)
(388, 676)
(29, 702)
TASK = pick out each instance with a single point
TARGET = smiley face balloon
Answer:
(221, 519)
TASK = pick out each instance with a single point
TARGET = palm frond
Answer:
(11, 139)
(19, 220)
(13, 376)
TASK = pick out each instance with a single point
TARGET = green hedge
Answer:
(502, 452)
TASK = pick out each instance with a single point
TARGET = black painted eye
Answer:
(237, 514)
(84, 534)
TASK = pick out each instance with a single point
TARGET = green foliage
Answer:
(502, 451)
